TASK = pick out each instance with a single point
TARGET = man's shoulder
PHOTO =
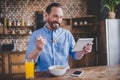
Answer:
(37, 30)
(65, 30)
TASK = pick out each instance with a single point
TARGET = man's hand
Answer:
(88, 48)
(40, 43)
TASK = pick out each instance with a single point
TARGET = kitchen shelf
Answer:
(84, 27)
(19, 26)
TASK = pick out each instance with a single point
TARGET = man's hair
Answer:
(49, 7)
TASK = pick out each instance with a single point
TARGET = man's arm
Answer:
(34, 54)
(40, 42)
(87, 49)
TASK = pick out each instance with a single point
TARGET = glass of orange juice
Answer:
(29, 68)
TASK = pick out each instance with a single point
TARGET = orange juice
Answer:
(29, 69)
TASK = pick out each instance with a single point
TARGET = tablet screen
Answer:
(81, 42)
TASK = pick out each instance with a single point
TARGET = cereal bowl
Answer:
(57, 70)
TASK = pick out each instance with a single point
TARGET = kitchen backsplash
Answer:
(25, 9)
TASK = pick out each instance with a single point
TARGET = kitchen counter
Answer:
(90, 73)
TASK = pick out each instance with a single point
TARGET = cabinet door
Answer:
(91, 59)
(85, 61)
(18, 58)
(16, 63)
(18, 68)
(77, 63)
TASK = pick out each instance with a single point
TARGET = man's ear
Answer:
(45, 16)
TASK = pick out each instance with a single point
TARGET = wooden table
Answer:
(90, 73)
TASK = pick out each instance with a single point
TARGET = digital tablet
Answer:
(81, 42)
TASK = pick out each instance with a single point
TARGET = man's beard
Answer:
(54, 25)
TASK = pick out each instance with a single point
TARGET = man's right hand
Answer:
(40, 43)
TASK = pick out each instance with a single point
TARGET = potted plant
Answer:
(110, 5)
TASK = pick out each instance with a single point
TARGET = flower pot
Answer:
(111, 15)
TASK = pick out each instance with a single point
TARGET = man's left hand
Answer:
(88, 48)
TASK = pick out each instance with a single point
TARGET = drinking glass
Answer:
(29, 68)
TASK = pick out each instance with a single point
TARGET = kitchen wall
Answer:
(25, 9)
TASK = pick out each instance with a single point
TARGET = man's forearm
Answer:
(34, 54)
(79, 55)
(87, 49)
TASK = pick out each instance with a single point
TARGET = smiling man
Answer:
(51, 44)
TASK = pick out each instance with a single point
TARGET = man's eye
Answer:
(55, 16)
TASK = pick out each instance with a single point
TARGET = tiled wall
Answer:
(25, 9)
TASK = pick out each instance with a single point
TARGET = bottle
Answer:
(9, 22)
(30, 32)
(23, 22)
(5, 21)
(28, 22)
(18, 23)
(14, 42)
(14, 23)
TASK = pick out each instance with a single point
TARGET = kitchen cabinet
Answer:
(12, 62)
(66, 23)
(16, 62)
(83, 27)
(86, 61)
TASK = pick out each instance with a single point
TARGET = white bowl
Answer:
(57, 70)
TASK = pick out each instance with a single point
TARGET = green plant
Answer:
(110, 4)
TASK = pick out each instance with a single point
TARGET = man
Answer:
(51, 44)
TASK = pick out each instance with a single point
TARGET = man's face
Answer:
(55, 17)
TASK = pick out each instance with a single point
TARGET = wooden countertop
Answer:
(90, 73)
